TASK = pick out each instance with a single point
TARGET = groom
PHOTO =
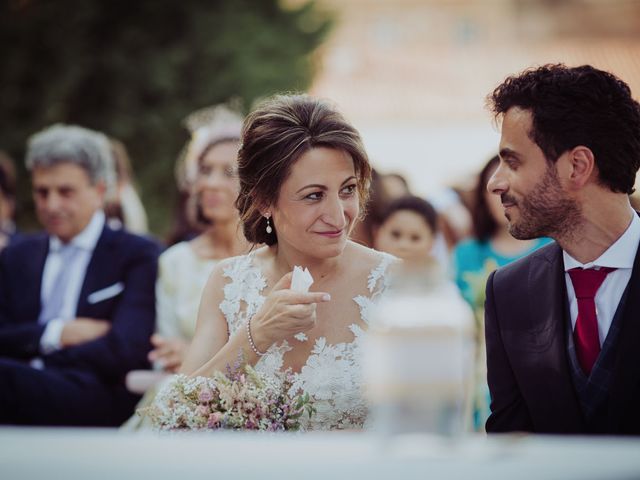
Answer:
(77, 304)
(563, 324)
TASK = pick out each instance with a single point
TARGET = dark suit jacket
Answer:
(119, 258)
(528, 367)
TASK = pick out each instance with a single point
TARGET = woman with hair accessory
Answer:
(210, 173)
(304, 179)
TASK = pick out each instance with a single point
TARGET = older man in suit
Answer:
(77, 302)
(563, 324)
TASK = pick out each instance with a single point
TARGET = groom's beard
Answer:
(545, 212)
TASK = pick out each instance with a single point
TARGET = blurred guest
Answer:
(395, 185)
(123, 207)
(475, 258)
(76, 302)
(562, 329)
(211, 174)
(182, 228)
(211, 169)
(221, 118)
(8, 232)
(378, 200)
(455, 218)
(408, 228)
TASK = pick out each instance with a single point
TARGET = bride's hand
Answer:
(284, 313)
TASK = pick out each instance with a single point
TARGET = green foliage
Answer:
(135, 68)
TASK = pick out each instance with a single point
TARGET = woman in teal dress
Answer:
(474, 259)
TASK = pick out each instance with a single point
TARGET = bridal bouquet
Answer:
(240, 400)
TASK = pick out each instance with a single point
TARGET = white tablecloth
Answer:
(48, 454)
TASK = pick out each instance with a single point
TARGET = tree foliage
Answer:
(135, 68)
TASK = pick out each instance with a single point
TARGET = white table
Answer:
(48, 454)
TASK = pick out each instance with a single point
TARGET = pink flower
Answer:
(214, 420)
(206, 395)
(234, 401)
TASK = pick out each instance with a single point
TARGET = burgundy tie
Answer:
(585, 336)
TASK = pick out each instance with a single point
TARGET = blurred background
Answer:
(412, 75)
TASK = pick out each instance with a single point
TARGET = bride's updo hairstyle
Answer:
(274, 136)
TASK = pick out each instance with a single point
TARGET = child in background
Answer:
(408, 229)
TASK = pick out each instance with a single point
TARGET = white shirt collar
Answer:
(621, 254)
(87, 238)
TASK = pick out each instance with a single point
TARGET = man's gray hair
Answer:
(86, 148)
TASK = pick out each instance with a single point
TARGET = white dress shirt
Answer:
(86, 242)
(620, 256)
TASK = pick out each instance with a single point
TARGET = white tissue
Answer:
(301, 337)
(301, 280)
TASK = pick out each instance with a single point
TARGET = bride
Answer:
(304, 179)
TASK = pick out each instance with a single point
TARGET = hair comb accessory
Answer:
(207, 126)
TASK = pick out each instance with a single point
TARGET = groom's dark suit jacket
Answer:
(529, 373)
(118, 287)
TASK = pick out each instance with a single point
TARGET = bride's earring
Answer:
(269, 229)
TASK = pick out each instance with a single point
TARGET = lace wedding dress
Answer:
(332, 373)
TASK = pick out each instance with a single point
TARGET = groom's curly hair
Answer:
(578, 106)
(274, 136)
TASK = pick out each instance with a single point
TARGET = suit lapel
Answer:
(627, 367)
(35, 264)
(547, 340)
(98, 268)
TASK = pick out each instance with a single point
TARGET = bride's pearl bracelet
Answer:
(251, 344)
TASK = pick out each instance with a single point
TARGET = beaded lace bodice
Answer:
(332, 373)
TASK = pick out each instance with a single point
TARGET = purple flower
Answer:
(206, 395)
(242, 400)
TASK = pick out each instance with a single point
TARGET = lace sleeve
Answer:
(377, 284)
(378, 280)
(243, 294)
